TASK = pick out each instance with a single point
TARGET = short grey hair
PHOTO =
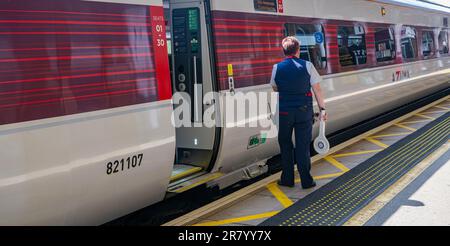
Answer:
(290, 45)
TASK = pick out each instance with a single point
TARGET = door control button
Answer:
(181, 77)
(182, 87)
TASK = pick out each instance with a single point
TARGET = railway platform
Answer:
(363, 181)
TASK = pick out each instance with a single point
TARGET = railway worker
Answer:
(294, 78)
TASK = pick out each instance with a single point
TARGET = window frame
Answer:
(448, 42)
(324, 41)
(416, 43)
(378, 63)
(433, 48)
(352, 67)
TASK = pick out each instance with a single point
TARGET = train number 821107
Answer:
(124, 164)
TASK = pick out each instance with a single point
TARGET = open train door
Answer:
(193, 84)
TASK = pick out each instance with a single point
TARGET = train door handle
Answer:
(198, 94)
(270, 115)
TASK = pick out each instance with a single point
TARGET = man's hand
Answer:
(324, 116)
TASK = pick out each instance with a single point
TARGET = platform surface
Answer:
(262, 205)
(426, 201)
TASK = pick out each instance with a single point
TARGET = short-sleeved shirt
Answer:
(315, 77)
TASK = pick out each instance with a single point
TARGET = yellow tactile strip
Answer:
(363, 216)
(427, 116)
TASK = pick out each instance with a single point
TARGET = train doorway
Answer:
(192, 82)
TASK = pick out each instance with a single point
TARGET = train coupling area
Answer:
(354, 181)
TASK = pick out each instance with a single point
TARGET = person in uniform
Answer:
(293, 79)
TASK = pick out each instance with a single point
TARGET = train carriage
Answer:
(86, 91)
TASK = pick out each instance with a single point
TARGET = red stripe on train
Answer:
(76, 76)
(66, 22)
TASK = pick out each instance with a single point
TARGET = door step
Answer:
(181, 171)
(192, 182)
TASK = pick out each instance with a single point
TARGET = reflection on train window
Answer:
(265, 5)
(312, 42)
(352, 45)
(409, 42)
(385, 44)
(427, 44)
(443, 42)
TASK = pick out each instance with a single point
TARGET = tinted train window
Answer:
(265, 5)
(352, 45)
(385, 44)
(312, 42)
(443, 42)
(409, 42)
(427, 44)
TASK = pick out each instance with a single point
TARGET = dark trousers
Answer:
(301, 121)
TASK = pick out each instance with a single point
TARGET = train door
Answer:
(192, 81)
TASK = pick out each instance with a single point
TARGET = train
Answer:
(87, 92)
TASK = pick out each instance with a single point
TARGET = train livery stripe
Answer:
(250, 42)
(68, 57)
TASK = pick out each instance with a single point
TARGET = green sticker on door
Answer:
(256, 141)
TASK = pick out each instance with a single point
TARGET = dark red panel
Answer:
(62, 57)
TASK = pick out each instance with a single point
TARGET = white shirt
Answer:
(315, 77)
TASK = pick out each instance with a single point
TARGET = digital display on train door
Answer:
(266, 5)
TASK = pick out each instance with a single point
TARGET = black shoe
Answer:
(281, 184)
(310, 186)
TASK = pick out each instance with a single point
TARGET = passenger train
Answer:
(86, 87)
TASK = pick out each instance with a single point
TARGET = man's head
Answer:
(291, 46)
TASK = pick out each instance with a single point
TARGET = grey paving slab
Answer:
(391, 130)
(255, 204)
(362, 145)
(322, 167)
(353, 161)
(390, 140)
(297, 192)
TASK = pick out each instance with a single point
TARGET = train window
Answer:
(312, 42)
(352, 45)
(409, 42)
(443, 42)
(385, 44)
(428, 44)
(265, 5)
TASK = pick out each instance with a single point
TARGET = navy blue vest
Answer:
(293, 84)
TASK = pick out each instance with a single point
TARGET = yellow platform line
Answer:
(185, 173)
(326, 176)
(435, 112)
(391, 135)
(425, 116)
(356, 153)
(415, 121)
(440, 107)
(239, 219)
(336, 163)
(406, 127)
(279, 195)
(376, 142)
